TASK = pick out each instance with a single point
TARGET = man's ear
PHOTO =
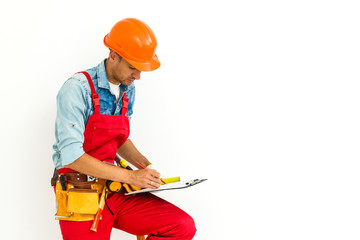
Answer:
(112, 55)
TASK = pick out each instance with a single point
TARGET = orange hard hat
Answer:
(135, 42)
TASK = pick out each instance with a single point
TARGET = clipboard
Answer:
(171, 186)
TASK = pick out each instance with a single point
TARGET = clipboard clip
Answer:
(195, 181)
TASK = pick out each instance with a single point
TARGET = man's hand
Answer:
(145, 178)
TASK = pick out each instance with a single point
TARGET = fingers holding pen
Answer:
(154, 179)
(146, 178)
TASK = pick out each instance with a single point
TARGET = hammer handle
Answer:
(96, 220)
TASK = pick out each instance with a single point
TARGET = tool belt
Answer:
(77, 199)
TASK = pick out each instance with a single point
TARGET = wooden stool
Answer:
(140, 237)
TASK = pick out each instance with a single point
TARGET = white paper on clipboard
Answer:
(170, 186)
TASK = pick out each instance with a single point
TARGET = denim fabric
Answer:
(74, 106)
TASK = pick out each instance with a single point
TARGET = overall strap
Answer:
(125, 104)
(94, 96)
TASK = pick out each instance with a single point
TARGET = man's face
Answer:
(124, 73)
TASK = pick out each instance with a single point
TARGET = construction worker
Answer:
(92, 125)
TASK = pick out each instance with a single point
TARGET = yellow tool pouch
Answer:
(79, 202)
(83, 201)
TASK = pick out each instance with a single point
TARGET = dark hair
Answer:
(120, 57)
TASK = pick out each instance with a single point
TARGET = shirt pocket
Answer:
(106, 107)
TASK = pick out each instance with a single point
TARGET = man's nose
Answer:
(136, 74)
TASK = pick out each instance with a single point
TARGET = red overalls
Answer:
(142, 214)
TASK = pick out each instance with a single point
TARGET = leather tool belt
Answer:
(77, 199)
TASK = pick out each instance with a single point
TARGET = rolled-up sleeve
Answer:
(70, 123)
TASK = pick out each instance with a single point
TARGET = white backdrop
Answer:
(261, 97)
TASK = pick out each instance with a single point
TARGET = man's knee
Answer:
(187, 226)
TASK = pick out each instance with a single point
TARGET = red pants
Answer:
(142, 214)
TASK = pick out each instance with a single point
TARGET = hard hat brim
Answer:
(145, 66)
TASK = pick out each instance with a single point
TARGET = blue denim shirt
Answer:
(74, 106)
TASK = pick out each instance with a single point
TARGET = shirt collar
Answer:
(103, 81)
